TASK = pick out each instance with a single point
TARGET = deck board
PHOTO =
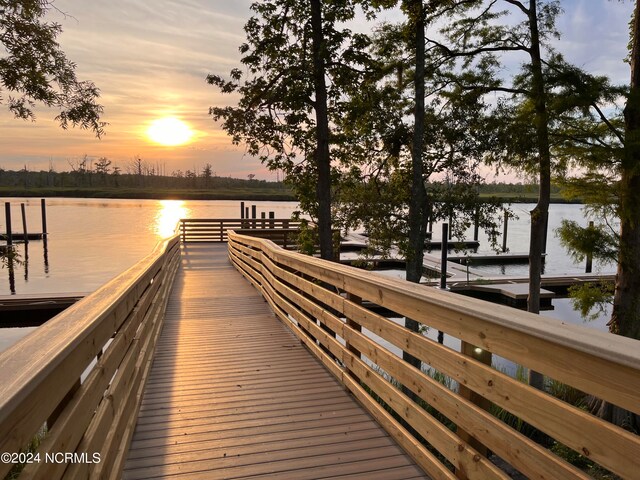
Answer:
(233, 394)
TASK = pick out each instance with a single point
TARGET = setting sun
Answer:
(169, 131)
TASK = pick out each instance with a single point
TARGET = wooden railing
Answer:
(215, 230)
(75, 384)
(312, 296)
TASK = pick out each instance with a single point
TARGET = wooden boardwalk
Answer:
(233, 394)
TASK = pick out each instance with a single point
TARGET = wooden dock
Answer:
(32, 310)
(233, 394)
(228, 392)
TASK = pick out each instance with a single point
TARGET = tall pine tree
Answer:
(298, 56)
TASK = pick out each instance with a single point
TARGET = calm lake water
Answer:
(93, 240)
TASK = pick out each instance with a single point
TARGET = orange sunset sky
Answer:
(150, 60)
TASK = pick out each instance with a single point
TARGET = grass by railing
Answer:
(76, 382)
(311, 296)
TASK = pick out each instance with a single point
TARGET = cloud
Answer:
(150, 59)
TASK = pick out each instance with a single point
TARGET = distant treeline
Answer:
(145, 184)
(84, 182)
(518, 192)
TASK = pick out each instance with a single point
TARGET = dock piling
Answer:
(443, 268)
(24, 224)
(504, 234)
(589, 265)
(443, 256)
(476, 224)
(43, 208)
(7, 214)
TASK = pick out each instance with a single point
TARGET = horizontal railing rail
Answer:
(70, 391)
(456, 425)
(215, 230)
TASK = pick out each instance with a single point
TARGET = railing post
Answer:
(221, 231)
(241, 210)
(184, 231)
(482, 356)
(272, 215)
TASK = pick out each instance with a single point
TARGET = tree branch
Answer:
(476, 51)
(606, 121)
(520, 5)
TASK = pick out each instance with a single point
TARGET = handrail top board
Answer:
(604, 345)
(29, 361)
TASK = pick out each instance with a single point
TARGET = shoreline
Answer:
(220, 194)
(148, 194)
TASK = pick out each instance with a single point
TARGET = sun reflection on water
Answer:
(167, 217)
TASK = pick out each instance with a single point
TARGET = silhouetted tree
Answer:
(34, 69)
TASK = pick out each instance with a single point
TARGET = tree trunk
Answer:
(417, 219)
(540, 213)
(322, 158)
(625, 317)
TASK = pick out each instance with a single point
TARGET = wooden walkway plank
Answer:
(233, 394)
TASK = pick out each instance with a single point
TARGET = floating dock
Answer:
(511, 294)
(32, 310)
(20, 237)
(499, 258)
(452, 245)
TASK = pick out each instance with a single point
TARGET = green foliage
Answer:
(307, 237)
(33, 67)
(599, 241)
(566, 393)
(582, 462)
(571, 456)
(592, 299)
(32, 447)
(274, 116)
(507, 417)
(377, 127)
(9, 257)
